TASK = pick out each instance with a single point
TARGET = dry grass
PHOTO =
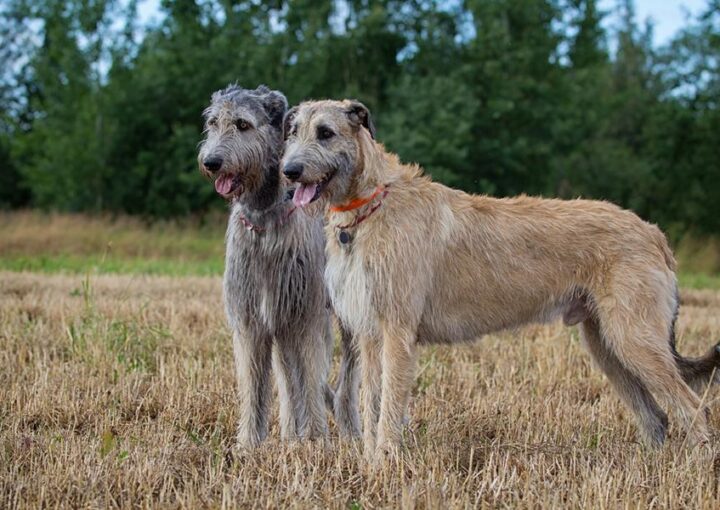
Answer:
(118, 391)
(32, 232)
(699, 254)
(78, 243)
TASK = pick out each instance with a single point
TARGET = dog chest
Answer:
(350, 287)
(273, 283)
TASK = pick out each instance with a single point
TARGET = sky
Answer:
(667, 15)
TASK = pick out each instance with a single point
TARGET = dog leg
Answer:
(252, 364)
(286, 377)
(644, 349)
(371, 368)
(399, 360)
(650, 418)
(313, 367)
(345, 405)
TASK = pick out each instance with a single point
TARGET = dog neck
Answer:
(265, 205)
(362, 208)
(377, 171)
(373, 173)
(369, 174)
(357, 203)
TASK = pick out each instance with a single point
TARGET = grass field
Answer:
(117, 390)
(76, 244)
(31, 241)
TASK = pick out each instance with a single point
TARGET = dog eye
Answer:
(325, 133)
(242, 125)
(212, 121)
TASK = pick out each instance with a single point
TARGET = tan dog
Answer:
(411, 262)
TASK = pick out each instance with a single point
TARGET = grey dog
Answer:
(275, 299)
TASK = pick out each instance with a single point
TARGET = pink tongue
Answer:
(304, 194)
(223, 184)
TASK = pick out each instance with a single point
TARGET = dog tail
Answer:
(698, 372)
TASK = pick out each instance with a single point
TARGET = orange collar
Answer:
(357, 203)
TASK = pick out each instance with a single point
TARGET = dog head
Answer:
(323, 148)
(243, 138)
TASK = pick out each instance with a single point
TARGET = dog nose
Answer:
(293, 171)
(213, 164)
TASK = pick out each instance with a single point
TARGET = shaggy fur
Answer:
(436, 265)
(275, 299)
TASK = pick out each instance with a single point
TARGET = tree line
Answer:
(101, 112)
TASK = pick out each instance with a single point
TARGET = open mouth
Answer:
(308, 193)
(228, 185)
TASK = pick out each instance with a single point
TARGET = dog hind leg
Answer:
(650, 418)
(642, 346)
(292, 413)
(345, 405)
(313, 367)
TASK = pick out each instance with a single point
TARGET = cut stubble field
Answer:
(118, 390)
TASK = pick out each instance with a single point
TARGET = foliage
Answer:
(100, 112)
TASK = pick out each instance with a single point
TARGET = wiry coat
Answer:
(275, 299)
(432, 264)
(273, 295)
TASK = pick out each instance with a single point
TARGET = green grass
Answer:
(97, 264)
(699, 281)
(78, 244)
(74, 264)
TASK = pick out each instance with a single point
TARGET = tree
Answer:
(501, 97)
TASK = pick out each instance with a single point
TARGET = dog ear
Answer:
(359, 115)
(287, 122)
(275, 106)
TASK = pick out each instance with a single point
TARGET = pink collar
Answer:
(249, 225)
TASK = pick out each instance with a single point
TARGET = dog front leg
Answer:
(371, 369)
(252, 364)
(399, 359)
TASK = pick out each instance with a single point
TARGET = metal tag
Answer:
(344, 237)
